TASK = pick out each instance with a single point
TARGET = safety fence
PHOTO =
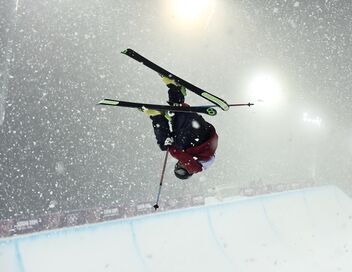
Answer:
(61, 219)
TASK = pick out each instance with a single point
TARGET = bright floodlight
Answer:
(191, 10)
(265, 88)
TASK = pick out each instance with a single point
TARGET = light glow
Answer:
(265, 88)
(314, 120)
(191, 11)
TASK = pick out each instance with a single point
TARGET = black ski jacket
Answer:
(187, 130)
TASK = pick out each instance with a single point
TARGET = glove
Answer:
(168, 115)
(168, 141)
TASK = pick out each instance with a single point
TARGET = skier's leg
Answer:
(161, 130)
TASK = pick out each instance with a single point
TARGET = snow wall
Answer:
(305, 230)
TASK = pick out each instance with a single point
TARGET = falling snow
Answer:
(195, 124)
(60, 151)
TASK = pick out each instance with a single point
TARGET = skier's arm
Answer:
(186, 160)
(161, 130)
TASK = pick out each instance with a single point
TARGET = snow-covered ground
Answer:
(303, 230)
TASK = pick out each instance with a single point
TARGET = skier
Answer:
(187, 136)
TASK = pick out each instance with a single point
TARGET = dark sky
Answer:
(59, 58)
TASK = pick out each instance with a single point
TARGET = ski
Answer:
(208, 96)
(209, 110)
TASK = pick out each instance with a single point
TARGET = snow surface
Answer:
(305, 230)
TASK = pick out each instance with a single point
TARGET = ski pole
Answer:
(156, 206)
(230, 105)
(241, 104)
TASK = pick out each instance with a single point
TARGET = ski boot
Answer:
(176, 91)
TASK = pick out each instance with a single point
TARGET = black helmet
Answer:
(181, 172)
